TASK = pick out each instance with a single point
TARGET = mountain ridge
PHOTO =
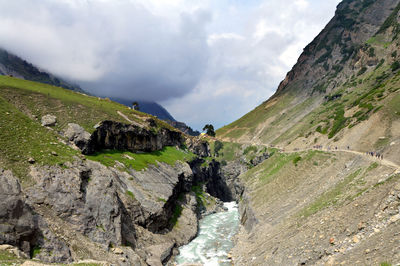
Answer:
(13, 65)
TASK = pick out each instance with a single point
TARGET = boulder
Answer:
(76, 134)
(49, 120)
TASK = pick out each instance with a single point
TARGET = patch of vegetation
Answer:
(339, 122)
(320, 88)
(372, 166)
(362, 71)
(250, 149)
(35, 251)
(139, 161)
(330, 197)
(230, 151)
(175, 216)
(218, 145)
(7, 258)
(395, 65)
(200, 197)
(130, 194)
(296, 160)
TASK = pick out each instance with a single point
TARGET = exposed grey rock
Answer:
(259, 159)
(120, 136)
(87, 195)
(77, 135)
(20, 226)
(159, 253)
(198, 146)
(159, 189)
(49, 120)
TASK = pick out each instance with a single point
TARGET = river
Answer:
(215, 239)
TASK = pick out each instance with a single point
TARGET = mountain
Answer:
(328, 193)
(13, 65)
(342, 84)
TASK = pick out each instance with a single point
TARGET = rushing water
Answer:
(214, 240)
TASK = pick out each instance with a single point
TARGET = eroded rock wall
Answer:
(119, 136)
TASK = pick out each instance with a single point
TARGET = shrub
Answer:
(217, 147)
(296, 160)
(395, 65)
(362, 71)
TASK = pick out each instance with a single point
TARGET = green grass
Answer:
(250, 149)
(201, 199)
(35, 251)
(175, 216)
(22, 138)
(372, 166)
(139, 161)
(162, 200)
(130, 194)
(266, 171)
(330, 197)
(296, 160)
(69, 107)
(7, 258)
(230, 151)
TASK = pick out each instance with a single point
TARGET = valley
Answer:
(314, 170)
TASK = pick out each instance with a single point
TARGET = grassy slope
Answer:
(22, 136)
(139, 161)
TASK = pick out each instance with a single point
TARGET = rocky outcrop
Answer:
(20, 226)
(49, 120)
(88, 196)
(247, 217)
(77, 135)
(120, 136)
(259, 159)
(198, 146)
(212, 178)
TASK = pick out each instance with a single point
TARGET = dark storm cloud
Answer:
(112, 48)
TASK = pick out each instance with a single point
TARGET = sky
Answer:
(208, 61)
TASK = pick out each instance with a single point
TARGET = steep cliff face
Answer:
(332, 52)
(120, 136)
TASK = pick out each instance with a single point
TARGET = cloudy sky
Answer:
(208, 61)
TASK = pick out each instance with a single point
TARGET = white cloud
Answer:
(207, 61)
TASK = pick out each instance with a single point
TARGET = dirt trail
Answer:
(385, 162)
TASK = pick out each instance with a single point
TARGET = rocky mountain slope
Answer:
(328, 193)
(15, 66)
(344, 83)
(88, 180)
